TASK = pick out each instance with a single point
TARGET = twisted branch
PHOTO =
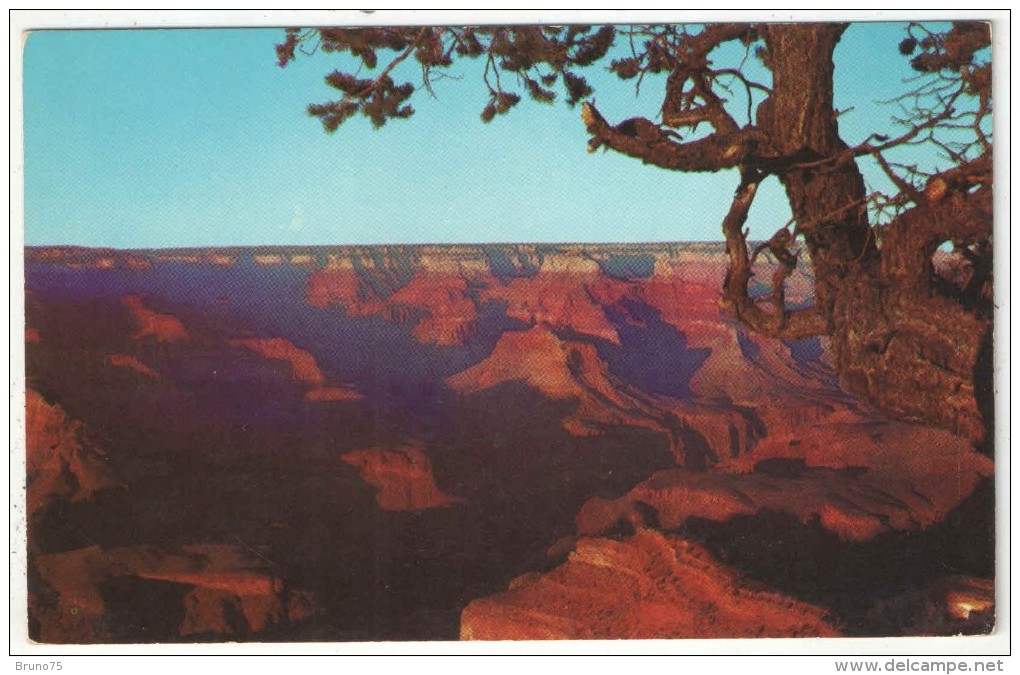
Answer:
(783, 323)
(642, 139)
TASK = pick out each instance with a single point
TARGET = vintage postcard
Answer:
(549, 330)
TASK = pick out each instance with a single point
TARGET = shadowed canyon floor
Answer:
(484, 442)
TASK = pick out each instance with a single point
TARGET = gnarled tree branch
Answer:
(784, 324)
(959, 215)
(642, 139)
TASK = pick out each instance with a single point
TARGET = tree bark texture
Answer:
(912, 352)
(898, 339)
(799, 119)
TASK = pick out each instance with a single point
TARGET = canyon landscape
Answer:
(476, 442)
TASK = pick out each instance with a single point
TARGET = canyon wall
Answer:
(380, 411)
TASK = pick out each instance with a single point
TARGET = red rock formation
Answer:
(782, 436)
(450, 316)
(62, 459)
(569, 292)
(538, 357)
(130, 362)
(162, 327)
(858, 479)
(561, 370)
(225, 582)
(825, 459)
(572, 370)
(557, 299)
(403, 476)
(213, 611)
(327, 393)
(342, 287)
(304, 367)
(745, 369)
(645, 587)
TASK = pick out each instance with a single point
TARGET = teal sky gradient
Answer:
(165, 138)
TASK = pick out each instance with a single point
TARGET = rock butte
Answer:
(304, 367)
(403, 476)
(161, 327)
(556, 299)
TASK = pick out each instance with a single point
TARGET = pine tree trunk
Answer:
(896, 341)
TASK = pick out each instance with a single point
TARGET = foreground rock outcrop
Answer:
(63, 460)
(647, 586)
(857, 479)
(205, 590)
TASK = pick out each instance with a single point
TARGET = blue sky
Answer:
(161, 138)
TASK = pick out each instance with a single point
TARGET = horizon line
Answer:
(84, 247)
